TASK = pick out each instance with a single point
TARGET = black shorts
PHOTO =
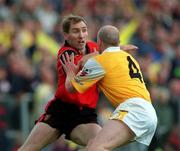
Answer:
(65, 116)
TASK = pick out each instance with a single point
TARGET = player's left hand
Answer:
(129, 47)
(68, 64)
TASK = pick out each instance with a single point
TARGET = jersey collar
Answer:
(112, 49)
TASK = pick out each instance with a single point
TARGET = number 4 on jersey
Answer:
(133, 70)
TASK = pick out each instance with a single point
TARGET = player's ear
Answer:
(101, 45)
(66, 35)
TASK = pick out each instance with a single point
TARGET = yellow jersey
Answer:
(117, 74)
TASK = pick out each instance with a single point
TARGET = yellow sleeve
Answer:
(82, 87)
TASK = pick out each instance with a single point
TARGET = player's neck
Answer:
(83, 51)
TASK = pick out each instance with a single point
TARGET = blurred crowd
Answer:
(30, 36)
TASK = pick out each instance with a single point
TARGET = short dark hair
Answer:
(66, 23)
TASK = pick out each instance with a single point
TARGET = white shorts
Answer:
(139, 115)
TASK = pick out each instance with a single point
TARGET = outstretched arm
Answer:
(128, 48)
(89, 75)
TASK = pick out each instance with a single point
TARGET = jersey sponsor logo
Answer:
(85, 72)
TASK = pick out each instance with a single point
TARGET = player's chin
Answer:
(82, 47)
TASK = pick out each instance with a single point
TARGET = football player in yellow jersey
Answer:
(119, 77)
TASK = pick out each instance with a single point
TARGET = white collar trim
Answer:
(112, 49)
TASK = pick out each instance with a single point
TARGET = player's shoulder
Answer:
(91, 43)
(92, 46)
(125, 54)
(109, 56)
(67, 49)
(101, 58)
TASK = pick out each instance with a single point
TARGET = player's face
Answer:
(77, 35)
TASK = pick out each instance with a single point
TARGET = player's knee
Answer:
(96, 130)
(78, 140)
(84, 132)
(93, 131)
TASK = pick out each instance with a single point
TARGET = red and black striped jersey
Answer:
(88, 98)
